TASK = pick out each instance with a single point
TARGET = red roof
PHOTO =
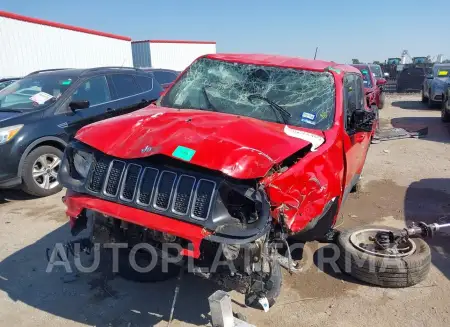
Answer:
(58, 25)
(174, 41)
(282, 61)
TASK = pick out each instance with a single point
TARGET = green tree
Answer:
(376, 62)
(355, 61)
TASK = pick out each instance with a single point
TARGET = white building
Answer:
(29, 44)
(169, 54)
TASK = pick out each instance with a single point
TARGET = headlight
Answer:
(82, 162)
(7, 133)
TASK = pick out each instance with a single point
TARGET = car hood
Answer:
(240, 147)
(4, 115)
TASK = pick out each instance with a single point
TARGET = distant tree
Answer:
(355, 61)
(446, 61)
(376, 62)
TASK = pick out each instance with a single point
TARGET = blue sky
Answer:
(367, 30)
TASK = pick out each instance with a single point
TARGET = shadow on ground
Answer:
(437, 130)
(424, 202)
(413, 105)
(98, 299)
(9, 195)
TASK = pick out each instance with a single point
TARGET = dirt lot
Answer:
(403, 180)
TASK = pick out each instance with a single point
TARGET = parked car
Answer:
(165, 77)
(41, 112)
(445, 106)
(372, 85)
(4, 82)
(435, 84)
(225, 163)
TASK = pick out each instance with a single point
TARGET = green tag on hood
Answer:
(183, 153)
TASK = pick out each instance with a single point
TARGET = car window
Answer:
(164, 77)
(125, 85)
(350, 97)
(359, 93)
(95, 90)
(145, 82)
(366, 77)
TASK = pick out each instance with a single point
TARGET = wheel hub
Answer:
(381, 243)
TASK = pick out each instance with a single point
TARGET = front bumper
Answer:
(76, 203)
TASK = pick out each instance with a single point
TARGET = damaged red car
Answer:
(242, 153)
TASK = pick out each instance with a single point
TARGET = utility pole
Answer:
(315, 54)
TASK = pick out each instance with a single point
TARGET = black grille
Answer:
(183, 194)
(164, 189)
(114, 176)
(130, 182)
(99, 174)
(202, 199)
(153, 188)
(147, 185)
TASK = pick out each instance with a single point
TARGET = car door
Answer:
(129, 95)
(95, 90)
(356, 143)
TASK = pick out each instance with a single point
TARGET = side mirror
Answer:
(381, 81)
(429, 76)
(363, 120)
(78, 105)
(386, 75)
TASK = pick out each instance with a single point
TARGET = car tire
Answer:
(445, 115)
(34, 165)
(157, 274)
(424, 98)
(386, 272)
(276, 281)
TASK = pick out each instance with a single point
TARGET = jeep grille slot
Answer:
(202, 199)
(183, 194)
(98, 175)
(130, 181)
(164, 190)
(146, 186)
(115, 172)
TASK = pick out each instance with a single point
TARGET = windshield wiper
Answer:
(10, 110)
(273, 105)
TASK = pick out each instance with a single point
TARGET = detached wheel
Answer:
(40, 171)
(445, 115)
(401, 266)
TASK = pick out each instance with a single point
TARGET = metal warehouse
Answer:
(176, 55)
(29, 44)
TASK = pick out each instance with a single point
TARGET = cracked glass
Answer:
(276, 94)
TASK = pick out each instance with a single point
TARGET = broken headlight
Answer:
(82, 162)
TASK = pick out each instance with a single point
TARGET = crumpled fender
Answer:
(301, 193)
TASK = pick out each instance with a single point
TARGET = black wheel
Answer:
(445, 115)
(40, 171)
(382, 100)
(406, 266)
(424, 98)
(160, 271)
(273, 285)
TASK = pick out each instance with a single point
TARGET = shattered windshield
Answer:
(276, 94)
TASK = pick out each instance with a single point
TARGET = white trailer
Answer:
(30, 44)
(169, 54)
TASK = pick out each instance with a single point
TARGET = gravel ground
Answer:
(403, 180)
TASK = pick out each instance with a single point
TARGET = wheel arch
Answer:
(47, 140)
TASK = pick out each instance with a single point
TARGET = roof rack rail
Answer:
(87, 70)
(46, 70)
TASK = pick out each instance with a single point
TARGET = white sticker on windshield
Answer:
(41, 97)
(315, 140)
